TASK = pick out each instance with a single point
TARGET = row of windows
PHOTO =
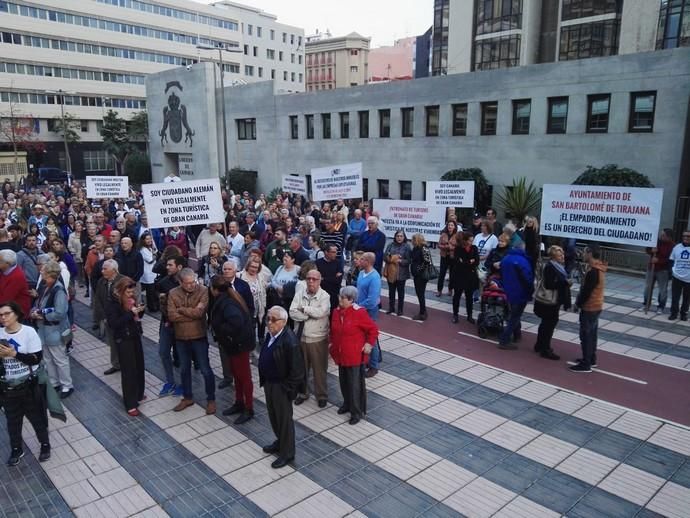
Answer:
(498, 15)
(88, 48)
(271, 54)
(272, 34)
(71, 100)
(583, 8)
(98, 160)
(641, 118)
(99, 23)
(173, 13)
(439, 40)
(70, 73)
(674, 24)
(589, 40)
(287, 76)
(501, 52)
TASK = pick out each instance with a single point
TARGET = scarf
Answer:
(559, 268)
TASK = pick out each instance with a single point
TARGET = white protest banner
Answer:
(338, 181)
(194, 202)
(98, 187)
(295, 184)
(451, 193)
(414, 217)
(624, 215)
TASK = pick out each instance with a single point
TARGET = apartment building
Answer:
(340, 62)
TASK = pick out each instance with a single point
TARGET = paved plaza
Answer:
(454, 428)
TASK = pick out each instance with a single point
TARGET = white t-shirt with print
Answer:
(24, 341)
(680, 255)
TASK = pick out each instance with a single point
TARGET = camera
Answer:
(188, 67)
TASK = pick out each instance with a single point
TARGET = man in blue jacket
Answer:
(373, 240)
(517, 277)
(369, 297)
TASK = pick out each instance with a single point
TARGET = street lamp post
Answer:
(68, 160)
(220, 48)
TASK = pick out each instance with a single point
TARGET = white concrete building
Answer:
(98, 52)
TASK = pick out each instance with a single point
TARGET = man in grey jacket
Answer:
(28, 260)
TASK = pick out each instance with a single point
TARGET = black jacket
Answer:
(121, 322)
(232, 326)
(553, 281)
(163, 286)
(287, 355)
(131, 264)
(465, 265)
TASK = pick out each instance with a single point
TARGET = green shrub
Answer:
(138, 168)
(240, 180)
(519, 199)
(613, 175)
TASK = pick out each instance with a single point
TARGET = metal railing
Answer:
(631, 260)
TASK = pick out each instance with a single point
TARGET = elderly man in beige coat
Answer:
(310, 309)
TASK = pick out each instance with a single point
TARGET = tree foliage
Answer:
(239, 180)
(19, 131)
(482, 189)
(137, 167)
(116, 139)
(72, 126)
(612, 175)
(138, 126)
(520, 198)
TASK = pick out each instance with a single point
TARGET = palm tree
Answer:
(520, 199)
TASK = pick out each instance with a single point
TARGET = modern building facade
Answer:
(94, 55)
(546, 122)
(473, 35)
(340, 62)
(422, 55)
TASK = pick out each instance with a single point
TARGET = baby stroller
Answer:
(494, 309)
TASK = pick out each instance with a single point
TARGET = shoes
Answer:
(143, 398)
(537, 349)
(371, 372)
(271, 448)
(178, 391)
(593, 364)
(419, 316)
(390, 311)
(684, 317)
(507, 346)
(244, 417)
(579, 368)
(236, 408)
(549, 355)
(225, 384)
(300, 399)
(438, 293)
(322, 403)
(455, 319)
(184, 403)
(45, 453)
(15, 456)
(281, 462)
(95, 327)
(471, 320)
(517, 336)
(111, 370)
(399, 313)
(672, 316)
(354, 419)
(66, 393)
(133, 412)
(167, 390)
(86, 294)
(211, 407)
(343, 410)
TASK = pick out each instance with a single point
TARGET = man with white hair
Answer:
(374, 241)
(13, 285)
(355, 229)
(103, 292)
(235, 242)
(281, 372)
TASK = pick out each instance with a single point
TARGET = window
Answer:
(363, 117)
(84, 126)
(557, 121)
(439, 40)
(598, 113)
(280, 55)
(255, 51)
(432, 114)
(498, 15)
(459, 120)
(292, 58)
(260, 72)
(407, 116)
(405, 190)
(258, 32)
(489, 116)
(52, 124)
(674, 24)
(354, 52)
(97, 161)
(99, 126)
(384, 123)
(249, 29)
(246, 129)
(344, 124)
(270, 54)
(589, 40)
(521, 115)
(503, 52)
(246, 50)
(326, 125)
(354, 69)
(294, 127)
(583, 8)
(273, 73)
(248, 70)
(642, 106)
(424, 191)
(309, 121)
(383, 188)
(365, 188)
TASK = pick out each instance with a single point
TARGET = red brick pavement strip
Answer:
(664, 395)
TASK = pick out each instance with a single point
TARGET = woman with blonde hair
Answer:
(418, 265)
(532, 239)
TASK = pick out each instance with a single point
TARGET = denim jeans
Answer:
(165, 345)
(661, 278)
(199, 349)
(512, 328)
(589, 324)
(375, 355)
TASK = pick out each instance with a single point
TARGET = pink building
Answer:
(392, 63)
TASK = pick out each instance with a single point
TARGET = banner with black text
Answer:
(338, 181)
(98, 187)
(451, 193)
(294, 184)
(192, 202)
(414, 217)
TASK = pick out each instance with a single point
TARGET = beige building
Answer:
(336, 62)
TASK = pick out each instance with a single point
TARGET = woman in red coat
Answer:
(353, 334)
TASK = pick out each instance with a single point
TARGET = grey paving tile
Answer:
(245, 507)
(445, 440)
(374, 401)
(657, 460)
(364, 486)
(575, 430)
(682, 476)
(478, 395)
(451, 386)
(441, 511)
(516, 473)
(402, 368)
(540, 418)
(599, 503)
(508, 406)
(314, 448)
(402, 501)
(646, 513)
(333, 468)
(417, 426)
(388, 415)
(557, 491)
(613, 444)
(479, 456)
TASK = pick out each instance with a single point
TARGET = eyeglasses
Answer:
(274, 319)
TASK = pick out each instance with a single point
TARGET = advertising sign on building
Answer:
(295, 184)
(451, 194)
(623, 215)
(414, 217)
(338, 181)
(194, 202)
(185, 163)
(98, 187)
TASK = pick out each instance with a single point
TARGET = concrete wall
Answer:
(460, 36)
(639, 22)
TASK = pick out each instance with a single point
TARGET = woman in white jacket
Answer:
(148, 251)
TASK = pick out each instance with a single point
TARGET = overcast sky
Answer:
(383, 20)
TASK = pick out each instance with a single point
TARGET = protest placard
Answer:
(414, 217)
(294, 184)
(194, 202)
(338, 181)
(98, 187)
(451, 194)
(623, 215)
